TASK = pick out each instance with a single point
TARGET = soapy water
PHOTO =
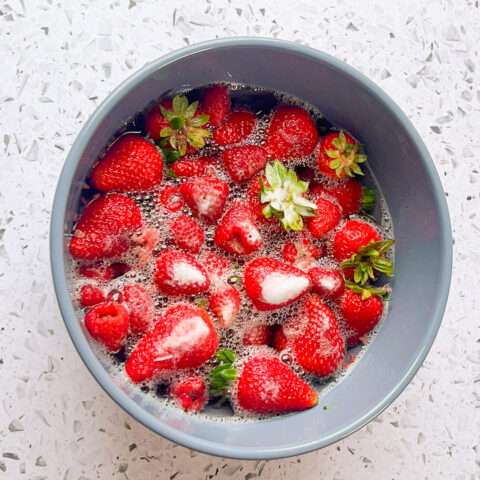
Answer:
(155, 215)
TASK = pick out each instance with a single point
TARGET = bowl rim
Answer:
(60, 283)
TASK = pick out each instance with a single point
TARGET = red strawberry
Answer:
(187, 233)
(328, 283)
(215, 265)
(315, 338)
(194, 167)
(353, 235)
(190, 393)
(178, 273)
(328, 216)
(236, 127)
(183, 337)
(215, 103)
(257, 335)
(170, 198)
(224, 302)
(360, 315)
(108, 324)
(140, 306)
(256, 206)
(105, 228)
(338, 156)
(103, 273)
(289, 252)
(244, 162)
(292, 134)
(90, 296)
(145, 241)
(348, 194)
(155, 121)
(132, 163)
(206, 197)
(237, 232)
(266, 385)
(271, 284)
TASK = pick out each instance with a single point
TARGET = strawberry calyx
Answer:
(346, 157)
(367, 291)
(222, 375)
(185, 129)
(368, 259)
(284, 194)
(368, 199)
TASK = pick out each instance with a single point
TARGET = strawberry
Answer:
(301, 254)
(271, 284)
(224, 302)
(328, 217)
(360, 314)
(244, 162)
(194, 167)
(155, 122)
(108, 324)
(315, 338)
(131, 163)
(253, 199)
(140, 306)
(257, 335)
(103, 273)
(266, 385)
(146, 242)
(206, 197)
(187, 233)
(236, 127)
(190, 393)
(215, 103)
(90, 296)
(178, 273)
(237, 232)
(338, 156)
(183, 337)
(353, 235)
(328, 283)
(289, 252)
(292, 134)
(105, 228)
(215, 265)
(170, 198)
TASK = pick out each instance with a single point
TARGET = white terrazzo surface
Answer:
(58, 60)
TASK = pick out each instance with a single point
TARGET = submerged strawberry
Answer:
(131, 163)
(224, 302)
(183, 337)
(140, 306)
(292, 134)
(170, 198)
(328, 283)
(194, 167)
(102, 272)
(257, 335)
(190, 393)
(215, 103)
(105, 228)
(90, 296)
(271, 284)
(236, 127)
(187, 233)
(244, 162)
(178, 273)
(327, 217)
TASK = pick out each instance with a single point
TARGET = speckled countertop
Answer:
(58, 61)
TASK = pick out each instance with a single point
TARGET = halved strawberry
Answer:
(187, 233)
(215, 102)
(224, 302)
(190, 393)
(105, 228)
(328, 216)
(292, 133)
(237, 232)
(327, 282)
(206, 197)
(178, 273)
(183, 337)
(194, 167)
(132, 163)
(108, 324)
(140, 306)
(271, 284)
(90, 296)
(170, 198)
(236, 127)
(244, 162)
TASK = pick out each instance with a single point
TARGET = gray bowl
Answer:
(412, 190)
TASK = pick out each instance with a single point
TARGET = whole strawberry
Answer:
(244, 161)
(327, 217)
(90, 296)
(224, 302)
(190, 393)
(266, 386)
(206, 197)
(108, 324)
(237, 232)
(170, 198)
(183, 337)
(327, 282)
(132, 163)
(187, 234)
(178, 273)
(236, 127)
(215, 103)
(271, 284)
(105, 228)
(140, 306)
(194, 167)
(292, 134)
(155, 122)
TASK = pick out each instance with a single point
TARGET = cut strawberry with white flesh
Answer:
(224, 302)
(179, 273)
(271, 284)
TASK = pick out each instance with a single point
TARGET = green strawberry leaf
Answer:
(222, 375)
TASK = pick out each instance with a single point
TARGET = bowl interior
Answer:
(420, 221)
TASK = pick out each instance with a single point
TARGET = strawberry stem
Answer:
(222, 375)
(367, 291)
(345, 157)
